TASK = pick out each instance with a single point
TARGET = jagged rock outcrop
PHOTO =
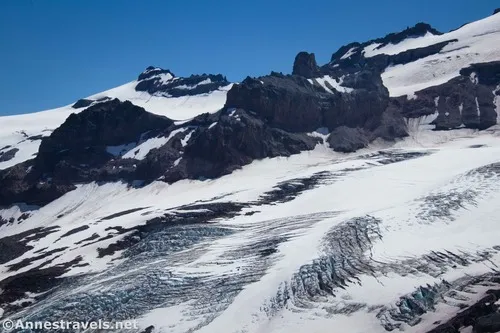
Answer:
(356, 102)
(489, 323)
(163, 82)
(482, 315)
(85, 102)
(263, 117)
(235, 139)
(82, 103)
(78, 151)
(296, 104)
(346, 139)
(464, 101)
(81, 150)
(305, 65)
(8, 154)
(487, 73)
(350, 57)
(84, 137)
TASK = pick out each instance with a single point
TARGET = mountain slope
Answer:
(24, 132)
(358, 196)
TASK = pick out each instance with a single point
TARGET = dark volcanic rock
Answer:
(76, 152)
(234, 140)
(14, 246)
(482, 315)
(390, 126)
(83, 137)
(464, 101)
(420, 29)
(160, 81)
(82, 103)
(346, 140)
(488, 324)
(496, 11)
(295, 104)
(8, 155)
(20, 186)
(206, 147)
(281, 101)
(305, 65)
(488, 73)
(152, 71)
(357, 60)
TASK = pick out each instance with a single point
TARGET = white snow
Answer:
(321, 133)
(140, 151)
(349, 53)
(177, 108)
(337, 85)
(355, 194)
(185, 140)
(186, 87)
(473, 78)
(477, 42)
(407, 44)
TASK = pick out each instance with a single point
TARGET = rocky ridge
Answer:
(268, 116)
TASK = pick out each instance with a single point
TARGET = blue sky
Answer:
(54, 52)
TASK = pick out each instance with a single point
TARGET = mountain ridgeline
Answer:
(343, 103)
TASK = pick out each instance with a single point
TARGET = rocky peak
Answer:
(418, 30)
(305, 65)
(152, 71)
(88, 133)
(496, 11)
(163, 82)
(351, 54)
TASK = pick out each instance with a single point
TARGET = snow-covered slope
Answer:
(339, 253)
(476, 42)
(178, 108)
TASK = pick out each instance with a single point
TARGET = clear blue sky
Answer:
(56, 51)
